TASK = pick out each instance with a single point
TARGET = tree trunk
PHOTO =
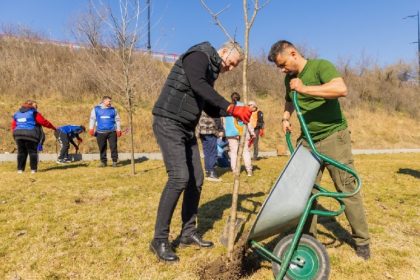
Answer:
(236, 182)
(130, 123)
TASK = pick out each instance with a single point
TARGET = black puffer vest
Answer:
(177, 100)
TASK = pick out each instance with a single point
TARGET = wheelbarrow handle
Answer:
(289, 141)
(321, 156)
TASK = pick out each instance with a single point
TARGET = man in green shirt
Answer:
(320, 85)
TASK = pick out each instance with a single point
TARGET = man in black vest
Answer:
(188, 91)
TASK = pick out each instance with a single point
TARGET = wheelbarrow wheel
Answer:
(309, 261)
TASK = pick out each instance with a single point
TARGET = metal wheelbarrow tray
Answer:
(288, 197)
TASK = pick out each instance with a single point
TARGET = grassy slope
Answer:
(370, 130)
(83, 222)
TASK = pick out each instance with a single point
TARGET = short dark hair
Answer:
(278, 48)
(83, 128)
(106, 97)
(235, 97)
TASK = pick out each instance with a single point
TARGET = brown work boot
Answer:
(363, 251)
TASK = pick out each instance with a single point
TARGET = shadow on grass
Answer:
(137, 160)
(221, 171)
(336, 231)
(64, 167)
(409, 171)
(212, 211)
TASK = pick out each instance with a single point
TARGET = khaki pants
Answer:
(233, 153)
(338, 146)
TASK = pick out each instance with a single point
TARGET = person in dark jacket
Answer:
(257, 121)
(65, 135)
(187, 92)
(208, 129)
(27, 132)
(108, 128)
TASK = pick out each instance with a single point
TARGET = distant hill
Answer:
(382, 106)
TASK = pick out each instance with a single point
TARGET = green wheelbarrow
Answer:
(297, 256)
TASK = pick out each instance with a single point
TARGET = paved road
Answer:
(158, 156)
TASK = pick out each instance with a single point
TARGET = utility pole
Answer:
(149, 46)
(418, 42)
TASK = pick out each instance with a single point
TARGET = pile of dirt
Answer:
(243, 263)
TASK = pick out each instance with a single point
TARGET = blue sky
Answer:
(335, 30)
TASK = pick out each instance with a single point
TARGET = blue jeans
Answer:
(185, 175)
(210, 151)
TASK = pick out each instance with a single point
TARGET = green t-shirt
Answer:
(322, 116)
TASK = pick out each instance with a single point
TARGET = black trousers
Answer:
(25, 148)
(185, 175)
(256, 140)
(103, 139)
(64, 141)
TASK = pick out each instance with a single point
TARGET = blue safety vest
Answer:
(233, 127)
(25, 120)
(105, 118)
(70, 129)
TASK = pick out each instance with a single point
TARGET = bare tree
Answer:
(249, 21)
(116, 36)
(89, 25)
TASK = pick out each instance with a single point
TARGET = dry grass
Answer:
(82, 222)
(378, 130)
(382, 110)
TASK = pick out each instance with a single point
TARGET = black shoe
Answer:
(163, 250)
(363, 252)
(211, 176)
(196, 240)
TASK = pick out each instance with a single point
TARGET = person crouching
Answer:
(65, 135)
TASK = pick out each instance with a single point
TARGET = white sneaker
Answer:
(33, 171)
(249, 173)
(20, 171)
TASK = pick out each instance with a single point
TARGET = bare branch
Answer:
(256, 8)
(254, 14)
(215, 17)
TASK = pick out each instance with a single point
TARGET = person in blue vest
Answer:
(65, 135)
(108, 128)
(27, 132)
(233, 132)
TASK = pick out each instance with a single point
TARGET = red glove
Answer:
(242, 113)
(119, 133)
(91, 132)
(261, 132)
